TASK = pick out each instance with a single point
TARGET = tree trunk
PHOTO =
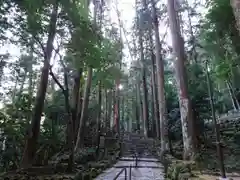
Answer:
(30, 90)
(136, 107)
(194, 52)
(75, 99)
(123, 109)
(84, 108)
(109, 110)
(140, 105)
(232, 95)
(69, 130)
(32, 137)
(116, 108)
(80, 136)
(106, 112)
(2, 65)
(70, 127)
(181, 77)
(79, 110)
(145, 91)
(99, 116)
(236, 10)
(160, 79)
(154, 126)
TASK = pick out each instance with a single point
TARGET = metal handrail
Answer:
(125, 174)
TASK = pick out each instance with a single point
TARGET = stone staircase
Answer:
(144, 167)
(137, 144)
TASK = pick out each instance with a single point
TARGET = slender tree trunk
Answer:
(84, 108)
(232, 95)
(70, 127)
(113, 108)
(135, 116)
(140, 105)
(123, 109)
(116, 108)
(30, 90)
(2, 65)
(79, 110)
(143, 73)
(80, 136)
(106, 110)
(32, 137)
(99, 116)
(181, 77)
(160, 79)
(109, 110)
(216, 127)
(117, 97)
(170, 144)
(154, 128)
(194, 55)
(75, 99)
(136, 107)
(145, 91)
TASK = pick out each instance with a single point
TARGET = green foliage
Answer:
(13, 124)
(179, 171)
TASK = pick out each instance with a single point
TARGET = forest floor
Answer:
(211, 176)
(147, 168)
(209, 164)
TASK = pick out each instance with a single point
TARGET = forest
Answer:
(72, 76)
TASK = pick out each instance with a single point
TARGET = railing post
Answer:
(125, 173)
(130, 172)
(135, 160)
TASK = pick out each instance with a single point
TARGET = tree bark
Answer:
(116, 107)
(32, 137)
(106, 112)
(30, 88)
(145, 90)
(160, 79)
(136, 107)
(70, 127)
(99, 116)
(181, 78)
(233, 96)
(109, 110)
(140, 106)
(69, 130)
(80, 136)
(2, 65)
(79, 110)
(82, 122)
(236, 10)
(75, 99)
(154, 126)
(193, 39)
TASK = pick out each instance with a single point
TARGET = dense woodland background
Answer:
(72, 83)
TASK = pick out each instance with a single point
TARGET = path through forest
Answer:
(147, 169)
